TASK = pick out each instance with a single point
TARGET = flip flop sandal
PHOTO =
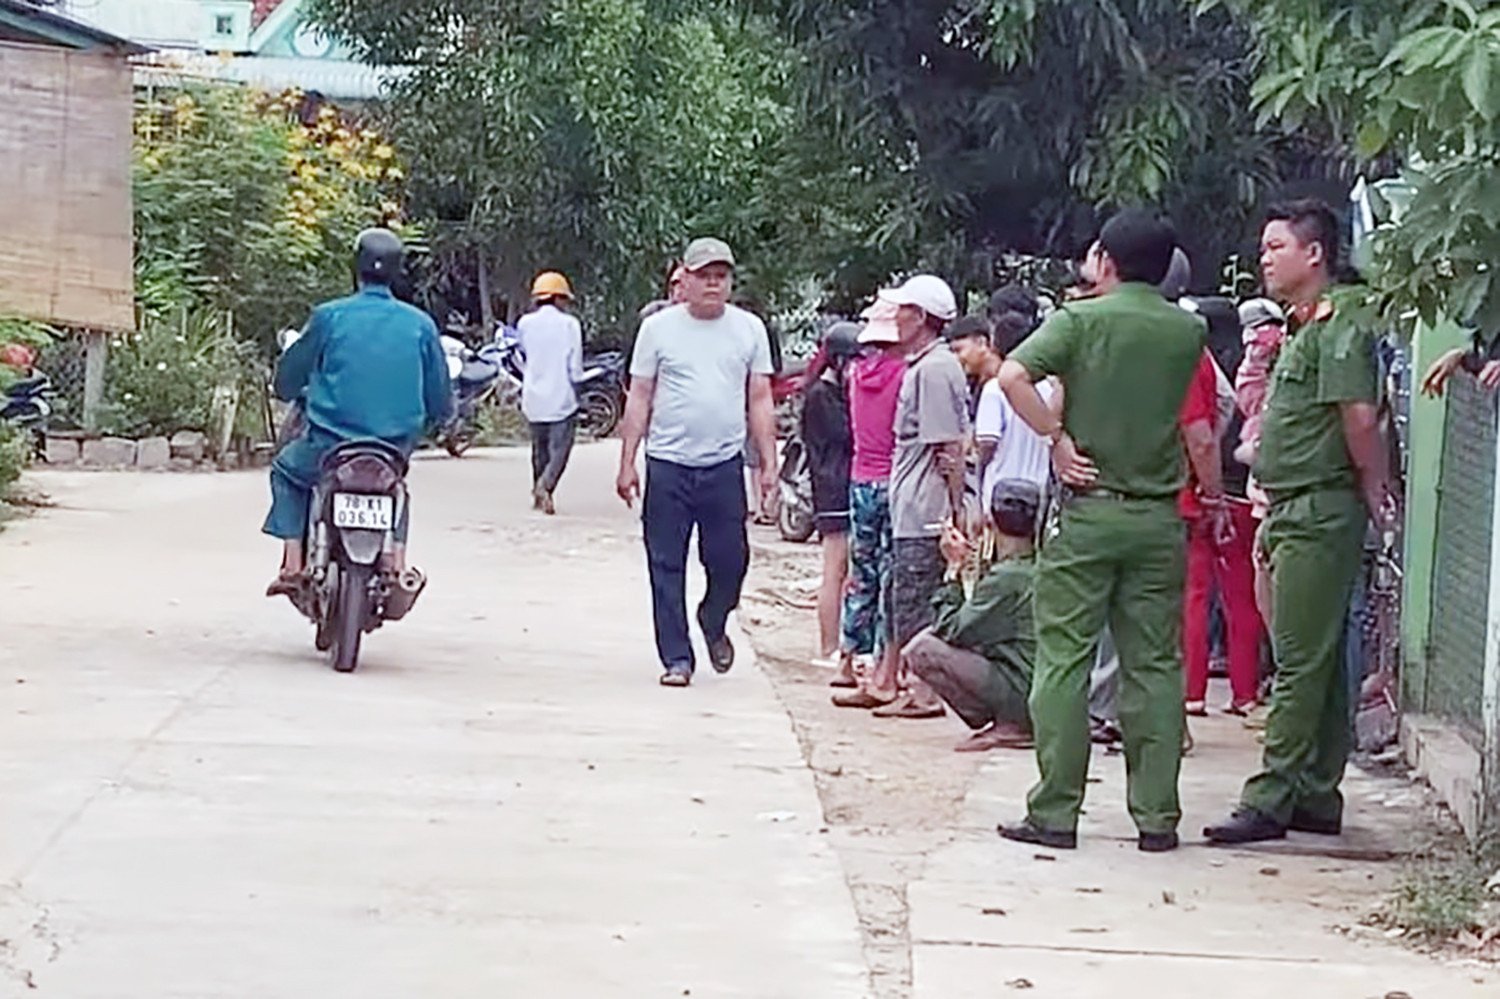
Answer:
(911, 710)
(845, 682)
(860, 699)
(285, 586)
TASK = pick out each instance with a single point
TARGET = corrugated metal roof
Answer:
(160, 23)
(57, 24)
(332, 78)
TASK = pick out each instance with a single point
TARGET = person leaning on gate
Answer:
(1116, 553)
(700, 383)
(1322, 464)
(978, 654)
(552, 341)
(367, 367)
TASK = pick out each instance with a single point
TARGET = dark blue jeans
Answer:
(679, 499)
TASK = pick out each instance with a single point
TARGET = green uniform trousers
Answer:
(1119, 562)
(1314, 542)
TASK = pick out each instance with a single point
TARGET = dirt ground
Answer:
(894, 792)
(891, 790)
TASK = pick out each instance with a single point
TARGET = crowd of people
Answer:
(1026, 516)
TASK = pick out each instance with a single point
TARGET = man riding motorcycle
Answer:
(367, 367)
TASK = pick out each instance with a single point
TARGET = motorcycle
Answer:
(359, 501)
(601, 390)
(27, 405)
(601, 393)
(794, 517)
(476, 376)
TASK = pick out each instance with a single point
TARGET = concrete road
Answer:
(500, 803)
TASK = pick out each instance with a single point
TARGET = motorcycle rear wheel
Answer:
(795, 523)
(352, 610)
(599, 413)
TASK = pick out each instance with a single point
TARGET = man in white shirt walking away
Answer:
(552, 341)
(700, 384)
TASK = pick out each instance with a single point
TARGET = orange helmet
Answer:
(551, 284)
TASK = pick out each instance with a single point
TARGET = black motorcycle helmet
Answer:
(377, 257)
(841, 342)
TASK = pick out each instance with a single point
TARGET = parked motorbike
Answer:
(357, 505)
(27, 405)
(794, 516)
(476, 376)
(601, 393)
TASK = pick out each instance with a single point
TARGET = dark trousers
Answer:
(551, 446)
(678, 499)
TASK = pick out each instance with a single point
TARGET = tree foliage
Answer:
(1417, 80)
(597, 136)
(246, 210)
(242, 209)
(1014, 121)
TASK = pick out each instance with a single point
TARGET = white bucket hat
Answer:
(880, 323)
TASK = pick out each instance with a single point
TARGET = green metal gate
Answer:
(1453, 683)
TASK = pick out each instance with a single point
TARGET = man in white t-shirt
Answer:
(700, 385)
(1008, 448)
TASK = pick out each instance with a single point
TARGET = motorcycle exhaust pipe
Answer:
(404, 593)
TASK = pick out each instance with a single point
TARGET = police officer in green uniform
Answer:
(1323, 465)
(1116, 555)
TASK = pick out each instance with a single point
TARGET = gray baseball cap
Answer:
(707, 250)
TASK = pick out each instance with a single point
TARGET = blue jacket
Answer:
(368, 366)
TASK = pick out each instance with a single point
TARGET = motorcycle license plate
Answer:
(366, 513)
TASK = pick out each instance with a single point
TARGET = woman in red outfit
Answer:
(1226, 562)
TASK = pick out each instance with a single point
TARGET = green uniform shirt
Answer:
(1126, 360)
(1302, 444)
(996, 621)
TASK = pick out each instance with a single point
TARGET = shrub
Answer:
(13, 457)
(163, 378)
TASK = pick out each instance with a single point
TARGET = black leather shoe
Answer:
(1157, 842)
(721, 654)
(1303, 822)
(1246, 825)
(1025, 832)
(720, 650)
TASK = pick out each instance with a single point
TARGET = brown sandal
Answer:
(861, 698)
(285, 586)
(907, 707)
